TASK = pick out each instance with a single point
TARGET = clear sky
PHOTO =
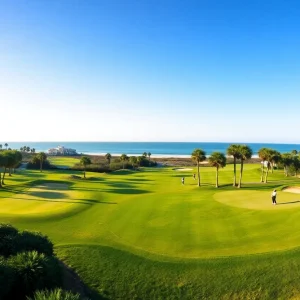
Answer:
(150, 70)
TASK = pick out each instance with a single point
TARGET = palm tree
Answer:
(2, 164)
(269, 155)
(27, 149)
(0, 147)
(198, 155)
(108, 157)
(245, 153)
(233, 150)
(133, 160)
(296, 164)
(85, 161)
(42, 157)
(294, 152)
(286, 160)
(32, 150)
(6, 145)
(124, 158)
(149, 154)
(218, 160)
(275, 158)
(262, 153)
(139, 160)
(145, 154)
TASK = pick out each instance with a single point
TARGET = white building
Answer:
(61, 150)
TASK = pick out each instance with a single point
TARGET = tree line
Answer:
(270, 158)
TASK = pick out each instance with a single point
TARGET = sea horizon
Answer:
(157, 149)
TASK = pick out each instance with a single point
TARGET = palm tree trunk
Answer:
(217, 177)
(241, 174)
(262, 171)
(198, 173)
(9, 172)
(84, 174)
(0, 181)
(41, 165)
(3, 176)
(272, 167)
(234, 171)
(267, 172)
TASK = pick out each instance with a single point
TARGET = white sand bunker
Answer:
(292, 189)
(182, 169)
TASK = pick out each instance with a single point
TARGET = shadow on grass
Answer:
(47, 195)
(291, 202)
(126, 191)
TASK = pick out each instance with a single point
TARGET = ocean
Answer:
(157, 149)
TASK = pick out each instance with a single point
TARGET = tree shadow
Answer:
(47, 195)
(126, 191)
(291, 202)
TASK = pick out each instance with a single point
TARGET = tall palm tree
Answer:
(269, 155)
(108, 157)
(85, 161)
(2, 164)
(124, 158)
(6, 145)
(149, 154)
(262, 153)
(42, 157)
(234, 151)
(286, 160)
(218, 160)
(133, 160)
(198, 155)
(145, 154)
(275, 158)
(245, 153)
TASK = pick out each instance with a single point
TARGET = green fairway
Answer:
(171, 237)
(63, 161)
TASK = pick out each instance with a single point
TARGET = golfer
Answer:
(274, 194)
(182, 180)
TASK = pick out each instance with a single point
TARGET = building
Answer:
(61, 150)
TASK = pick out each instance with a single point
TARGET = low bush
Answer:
(57, 294)
(7, 279)
(8, 235)
(34, 271)
(29, 241)
(7, 229)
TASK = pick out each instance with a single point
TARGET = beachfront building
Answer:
(61, 150)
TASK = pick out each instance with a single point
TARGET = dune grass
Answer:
(144, 235)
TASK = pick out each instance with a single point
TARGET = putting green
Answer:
(41, 200)
(258, 200)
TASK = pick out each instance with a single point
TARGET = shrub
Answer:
(34, 271)
(7, 229)
(8, 236)
(57, 294)
(7, 279)
(29, 241)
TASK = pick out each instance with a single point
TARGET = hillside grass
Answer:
(144, 235)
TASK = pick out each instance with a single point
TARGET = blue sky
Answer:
(150, 70)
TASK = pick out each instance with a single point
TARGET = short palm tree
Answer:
(108, 157)
(217, 160)
(145, 154)
(124, 158)
(149, 155)
(233, 150)
(85, 161)
(245, 153)
(198, 155)
(42, 157)
(6, 145)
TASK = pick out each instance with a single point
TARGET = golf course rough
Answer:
(155, 238)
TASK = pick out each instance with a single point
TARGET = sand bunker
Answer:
(182, 169)
(292, 189)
